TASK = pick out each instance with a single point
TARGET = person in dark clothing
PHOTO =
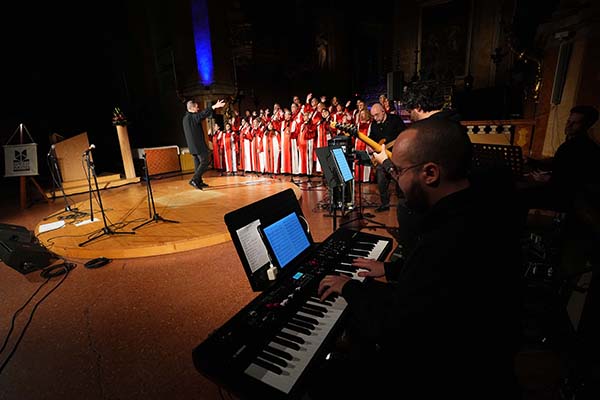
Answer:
(194, 136)
(385, 130)
(581, 119)
(573, 169)
(424, 100)
(447, 323)
(574, 189)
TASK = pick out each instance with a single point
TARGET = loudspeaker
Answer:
(395, 85)
(15, 232)
(24, 257)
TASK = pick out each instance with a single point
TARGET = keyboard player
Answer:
(446, 324)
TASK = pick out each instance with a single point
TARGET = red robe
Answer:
(258, 150)
(323, 136)
(362, 173)
(297, 121)
(230, 151)
(273, 152)
(286, 146)
(216, 139)
(246, 158)
(277, 118)
(305, 138)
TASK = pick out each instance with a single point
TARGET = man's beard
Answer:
(416, 198)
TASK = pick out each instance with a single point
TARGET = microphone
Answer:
(92, 146)
(50, 151)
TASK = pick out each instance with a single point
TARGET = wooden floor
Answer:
(199, 214)
(127, 330)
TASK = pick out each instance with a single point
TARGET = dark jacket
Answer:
(453, 310)
(194, 134)
(448, 115)
(575, 169)
(388, 130)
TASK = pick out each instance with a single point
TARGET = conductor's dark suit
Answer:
(194, 136)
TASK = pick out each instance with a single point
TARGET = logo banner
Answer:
(20, 159)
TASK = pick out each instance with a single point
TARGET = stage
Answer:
(199, 214)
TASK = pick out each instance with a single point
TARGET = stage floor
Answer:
(199, 214)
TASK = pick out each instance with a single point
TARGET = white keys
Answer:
(374, 254)
(380, 247)
(354, 274)
(377, 250)
(290, 373)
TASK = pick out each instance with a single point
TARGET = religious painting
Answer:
(445, 32)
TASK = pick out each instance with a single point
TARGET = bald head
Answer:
(378, 113)
(402, 145)
(439, 141)
(377, 107)
(192, 106)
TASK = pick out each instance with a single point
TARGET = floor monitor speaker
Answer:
(15, 232)
(24, 257)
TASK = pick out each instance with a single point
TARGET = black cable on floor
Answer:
(67, 269)
(16, 314)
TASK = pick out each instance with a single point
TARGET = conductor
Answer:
(194, 136)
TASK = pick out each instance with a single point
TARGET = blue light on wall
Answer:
(204, 59)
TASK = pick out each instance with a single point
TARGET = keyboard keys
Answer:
(279, 353)
(279, 365)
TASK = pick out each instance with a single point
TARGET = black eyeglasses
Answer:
(397, 172)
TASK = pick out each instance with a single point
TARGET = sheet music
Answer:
(254, 248)
(51, 226)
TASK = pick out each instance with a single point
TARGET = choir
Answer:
(283, 141)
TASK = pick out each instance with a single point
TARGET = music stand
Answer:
(337, 174)
(57, 181)
(92, 173)
(154, 217)
(362, 158)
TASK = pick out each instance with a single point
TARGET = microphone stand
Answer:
(106, 230)
(57, 180)
(154, 217)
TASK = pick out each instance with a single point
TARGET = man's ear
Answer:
(431, 173)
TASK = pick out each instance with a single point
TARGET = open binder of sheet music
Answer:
(253, 245)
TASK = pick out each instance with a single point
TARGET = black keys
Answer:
(298, 329)
(360, 253)
(291, 338)
(312, 311)
(316, 307)
(303, 324)
(279, 353)
(268, 365)
(275, 360)
(306, 319)
(286, 343)
(363, 246)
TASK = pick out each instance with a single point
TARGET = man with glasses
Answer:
(447, 322)
(385, 129)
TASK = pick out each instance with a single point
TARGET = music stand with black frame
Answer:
(57, 181)
(362, 158)
(154, 217)
(336, 174)
(91, 173)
